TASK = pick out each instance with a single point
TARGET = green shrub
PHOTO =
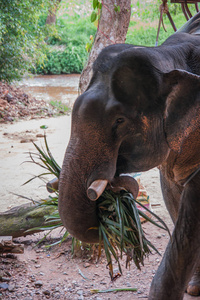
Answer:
(70, 60)
(144, 32)
(73, 30)
(149, 10)
(146, 9)
(21, 37)
(72, 33)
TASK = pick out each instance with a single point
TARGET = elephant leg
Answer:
(193, 288)
(171, 194)
(183, 251)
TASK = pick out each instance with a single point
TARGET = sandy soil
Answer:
(42, 273)
(15, 145)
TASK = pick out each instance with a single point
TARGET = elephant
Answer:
(141, 110)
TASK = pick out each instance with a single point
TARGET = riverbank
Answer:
(15, 104)
(37, 97)
(53, 88)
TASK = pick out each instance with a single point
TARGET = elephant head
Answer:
(126, 121)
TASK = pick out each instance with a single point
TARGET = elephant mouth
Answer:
(97, 187)
(124, 182)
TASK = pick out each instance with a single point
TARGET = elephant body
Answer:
(141, 110)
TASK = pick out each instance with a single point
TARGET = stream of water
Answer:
(62, 88)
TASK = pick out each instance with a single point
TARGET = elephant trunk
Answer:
(81, 183)
(77, 211)
(77, 191)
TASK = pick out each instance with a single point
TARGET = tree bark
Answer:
(16, 221)
(112, 29)
(51, 18)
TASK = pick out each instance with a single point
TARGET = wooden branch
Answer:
(16, 221)
(7, 245)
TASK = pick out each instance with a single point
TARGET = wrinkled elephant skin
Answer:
(141, 110)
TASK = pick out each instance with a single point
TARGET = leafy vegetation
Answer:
(144, 22)
(57, 61)
(120, 229)
(20, 36)
(66, 49)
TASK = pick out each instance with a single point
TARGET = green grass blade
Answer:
(95, 291)
(56, 166)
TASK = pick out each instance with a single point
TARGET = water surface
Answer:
(62, 88)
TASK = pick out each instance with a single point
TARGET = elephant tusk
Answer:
(96, 189)
(52, 185)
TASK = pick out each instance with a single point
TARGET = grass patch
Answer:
(144, 32)
(60, 107)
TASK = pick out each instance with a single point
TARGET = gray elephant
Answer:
(141, 110)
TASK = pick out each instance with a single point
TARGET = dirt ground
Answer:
(42, 273)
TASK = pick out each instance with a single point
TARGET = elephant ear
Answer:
(182, 110)
(136, 83)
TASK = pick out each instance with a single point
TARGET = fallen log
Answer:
(7, 245)
(16, 221)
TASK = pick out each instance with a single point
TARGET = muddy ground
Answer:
(42, 273)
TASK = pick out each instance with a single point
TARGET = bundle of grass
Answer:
(121, 231)
(120, 228)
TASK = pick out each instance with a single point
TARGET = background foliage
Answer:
(27, 43)
(20, 36)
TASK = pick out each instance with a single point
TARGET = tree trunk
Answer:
(112, 29)
(16, 221)
(51, 18)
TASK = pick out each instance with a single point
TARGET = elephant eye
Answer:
(119, 121)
